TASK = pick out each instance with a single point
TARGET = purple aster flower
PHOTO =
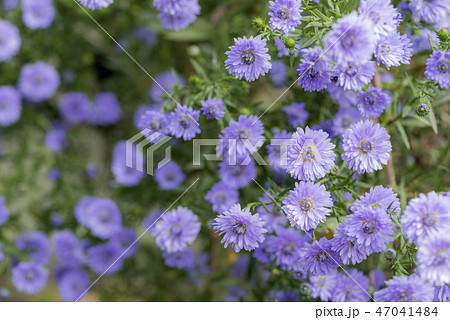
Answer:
(10, 106)
(125, 175)
(354, 76)
(103, 218)
(344, 98)
(430, 11)
(36, 245)
(10, 41)
(184, 122)
(176, 230)
(389, 50)
(277, 151)
(353, 287)
(423, 110)
(377, 278)
(319, 258)
(157, 122)
(169, 176)
(123, 241)
(165, 84)
(68, 249)
(213, 108)
(345, 244)
(285, 248)
(278, 73)
(29, 277)
(283, 296)
(4, 211)
(237, 176)
(236, 294)
(177, 14)
(38, 14)
(54, 174)
(405, 289)
(433, 258)
(222, 197)
(262, 254)
(240, 138)
(380, 197)
(10, 4)
(382, 15)
(72, 284)
(240, 228)
(351, 39)
(442, 293)
(56, 139)
(56, 220)
(183, 259)
(314, 70)
(248, 58)
(146, 36)
(239, 268)
(344, 118)
(372, 228)
(95, 4)
(421, 39)
(285, 15)
(38, 82)
(366, 146)
(73, 107)
(373, 102)
(104, 258)
(323, 286)
(151, 219)
(91, 171)
(296, 113)
(82, 209)
(425, 215)
(407, 49)
(438, 68)
(2, 255)
(105, 110)
(310, 154)
(307, 205)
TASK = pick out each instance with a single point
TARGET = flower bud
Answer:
(390, 253)
(443, 34)
(422, 110)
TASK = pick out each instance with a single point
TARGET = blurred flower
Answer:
(91, 171)
(366, 146)
(177, 14)
(36, 245)
(183, 259)
(222, 197)
(373, 102)
(248, 58)
(405, 289)
(103, 218)
(343, 119)
(125, 175)
(105, 110)
(74, 106)
(38, 82)
(54, 174)
(277, 151)
(351, 39)
(10, 41)
(425, 215)
(382, 14)
(285, 247)
(296, 113)
(38, 14)
(29, 277)
(176, 230)
(323, 286)
(56, 220)
(4, 211)
(68, 249)
(390, 50)
(430, 11)
(237, 176)
(169, 176)
(236, 294)
(278, 73)
(165, 84)
(146, 36)
(72, 284)
(124, 241)
(56, 139)
(355, 75)
(433, 258)
(95, 4)
(104, 258)
(283, 296)
(352, 287)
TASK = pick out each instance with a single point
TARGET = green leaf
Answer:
(402, 132)
(433, 45)
(433, 123)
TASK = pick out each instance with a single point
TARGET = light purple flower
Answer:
(373, 102)
(285, 15)
(319, 258)
(95, 4)
(222, 197)
(38, 82)
(169, 176)
(183, 122)
(438, 68)
(38, 14)
(10, 106)
(10, 40)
